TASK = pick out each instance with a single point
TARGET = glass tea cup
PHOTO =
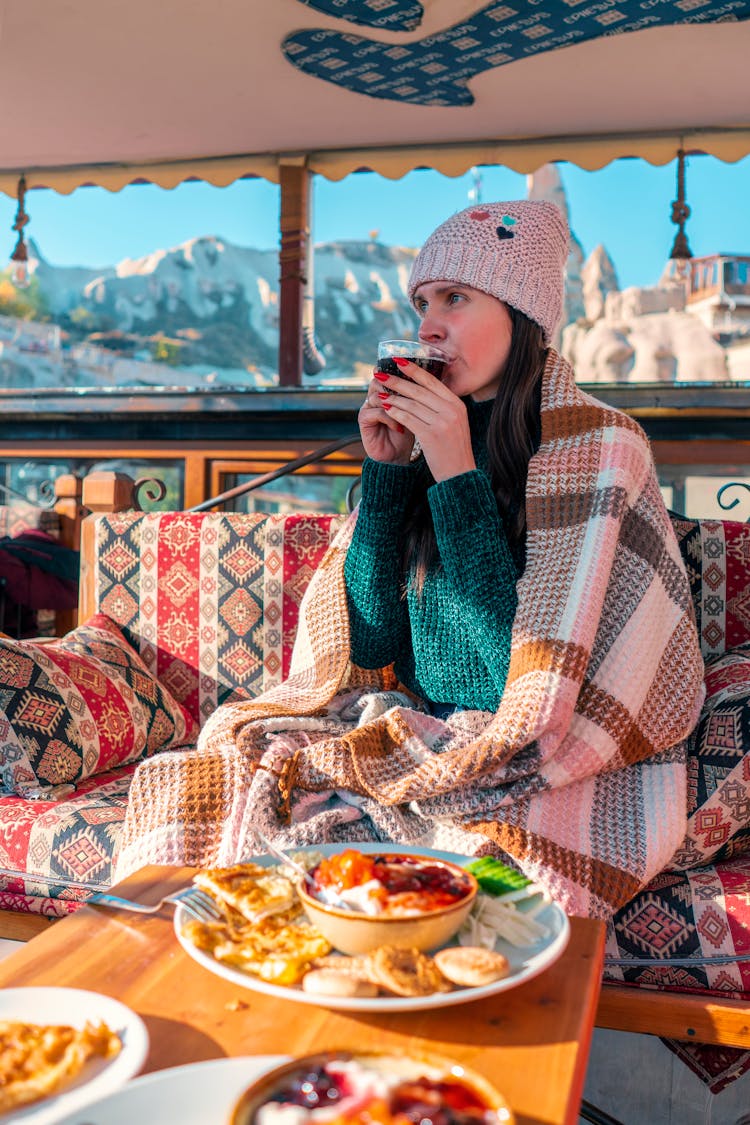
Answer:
(428, 356)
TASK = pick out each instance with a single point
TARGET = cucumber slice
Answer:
(496, 878)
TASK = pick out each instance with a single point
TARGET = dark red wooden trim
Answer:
(295, 191)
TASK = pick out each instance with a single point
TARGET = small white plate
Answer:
(195, 1094)
(73, 1006)
(525, 962)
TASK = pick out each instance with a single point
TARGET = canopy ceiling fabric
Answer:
(175, 89)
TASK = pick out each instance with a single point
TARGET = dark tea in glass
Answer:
(428, 356)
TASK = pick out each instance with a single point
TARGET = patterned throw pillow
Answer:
(716, 554)
(79, 706)
(718, 763)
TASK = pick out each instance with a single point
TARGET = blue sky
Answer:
(625, 205)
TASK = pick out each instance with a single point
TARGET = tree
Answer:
(26, 304)
(166, 351)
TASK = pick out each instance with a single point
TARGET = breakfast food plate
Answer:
(525, 961)
(193, 1094)
(74, 1007)
(361, 1087)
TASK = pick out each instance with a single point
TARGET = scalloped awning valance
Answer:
(179, 89)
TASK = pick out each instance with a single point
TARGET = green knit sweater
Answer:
(451, 644)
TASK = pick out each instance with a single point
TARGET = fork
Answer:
(282, 856)
(328, 895)
(191, 899)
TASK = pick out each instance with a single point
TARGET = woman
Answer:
(412, 598)
(499, 653)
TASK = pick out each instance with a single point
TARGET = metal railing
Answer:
(727, 507)
(311, 458)
(155, 490)
(44, 499)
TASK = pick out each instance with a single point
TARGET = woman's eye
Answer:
(454, 298)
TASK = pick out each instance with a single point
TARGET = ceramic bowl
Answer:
(352, 931)
(409, 1067)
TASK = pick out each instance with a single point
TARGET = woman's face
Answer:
(474, 329)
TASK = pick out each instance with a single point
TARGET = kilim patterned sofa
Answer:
(222, 627)
(210, 602)
(686, 937)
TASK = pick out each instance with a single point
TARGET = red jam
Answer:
(399, 884)
(417, 1101)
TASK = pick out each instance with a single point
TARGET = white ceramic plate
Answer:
(195, 1094)
(74, 1007)
(525, 962)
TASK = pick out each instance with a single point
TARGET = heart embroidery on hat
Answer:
(503, 233)
(479, 215)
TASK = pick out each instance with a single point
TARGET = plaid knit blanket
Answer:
(580, 774)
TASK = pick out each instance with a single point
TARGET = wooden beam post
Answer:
(294, 180)
(68, 492)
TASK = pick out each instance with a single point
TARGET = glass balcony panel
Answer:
(34, 479)
(696, 495)
(308, 492)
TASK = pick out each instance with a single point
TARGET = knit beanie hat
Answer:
(514, 251)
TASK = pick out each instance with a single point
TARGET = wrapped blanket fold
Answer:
(579, 776)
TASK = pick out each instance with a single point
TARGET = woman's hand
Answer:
(434, 415)
(384, 438)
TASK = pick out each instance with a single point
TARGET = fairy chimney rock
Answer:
(598, 279)
(546, 185)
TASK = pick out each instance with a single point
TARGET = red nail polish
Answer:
(387, 405)
(380, 376)
(401, 429)
(384, 394)
(400, 361)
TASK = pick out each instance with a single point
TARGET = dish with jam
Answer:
(359, 1088)
(360, 902)
(268, 944)
(391, 885)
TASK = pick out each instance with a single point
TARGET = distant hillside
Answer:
(207, 313)
(209, 304)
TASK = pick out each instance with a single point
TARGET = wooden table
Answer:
(532, 1041)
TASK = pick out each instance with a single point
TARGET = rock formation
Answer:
(546, 184)
(206, 312)
(658, 347)
(633, 335)
(598, 278)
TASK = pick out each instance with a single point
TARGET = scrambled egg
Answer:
(263, 931)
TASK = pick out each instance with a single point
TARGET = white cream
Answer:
(366, 1083)
(364, 899)
(360, 898)
(274, 1113)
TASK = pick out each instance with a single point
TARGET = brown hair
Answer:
(512, 438)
